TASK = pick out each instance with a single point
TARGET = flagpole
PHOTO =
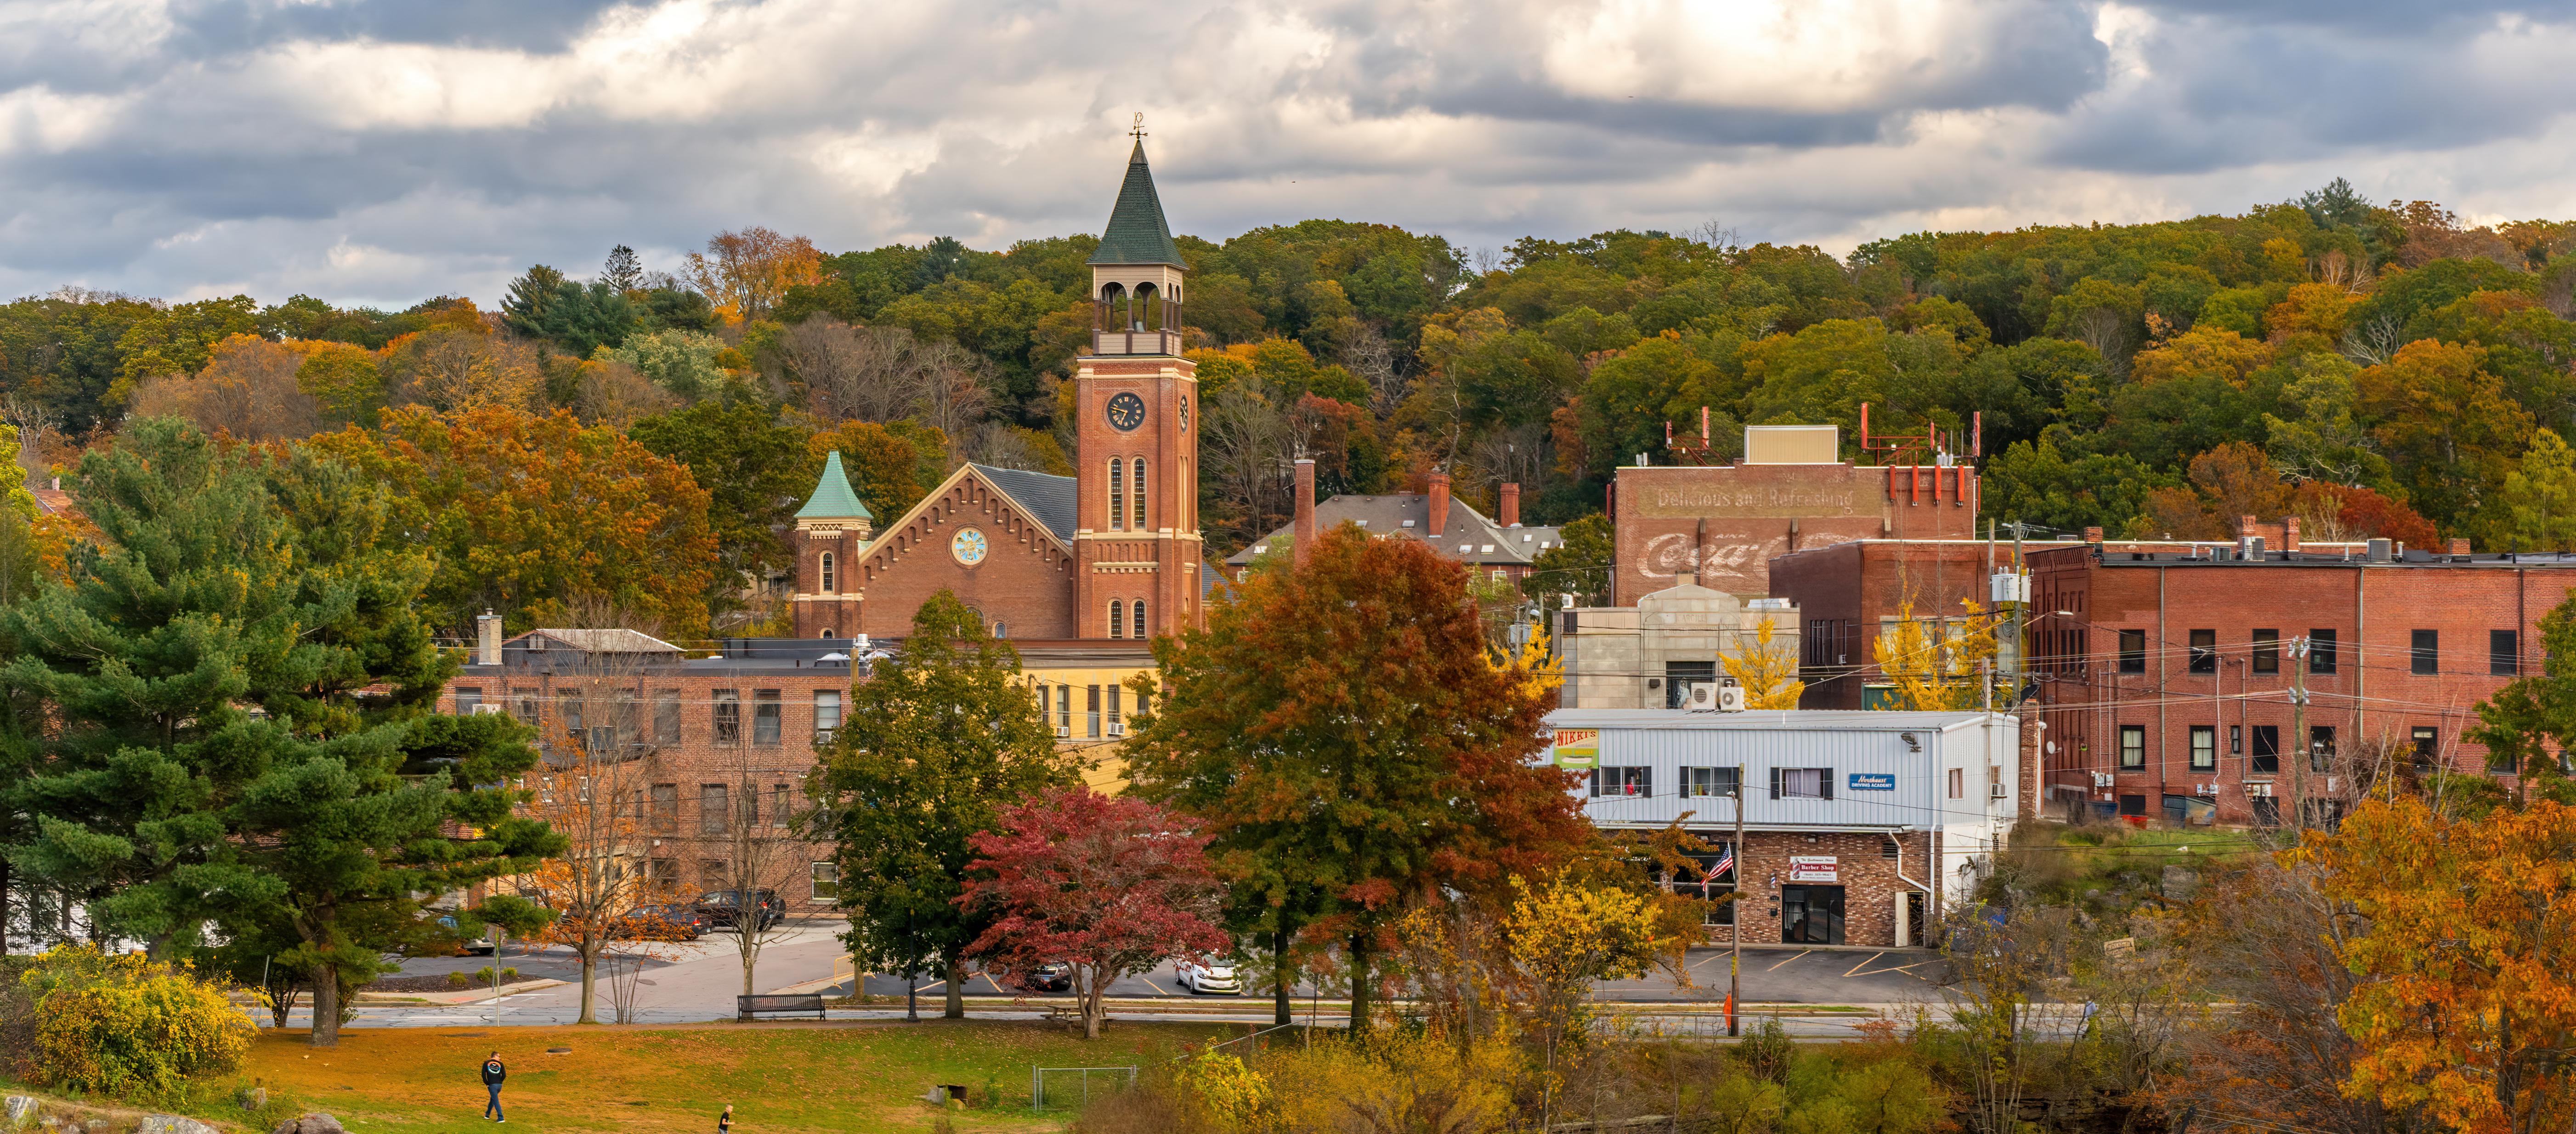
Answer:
(1735, 920)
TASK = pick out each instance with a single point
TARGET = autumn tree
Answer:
(248, 391)
(1580, 563)
(755, 469)
(2445, 422)
(529, 513)
(938, 741)
(1107, 886)
(1767, 669)
(2464, 1008)
(1342, 733)
(1563, 937)
(747, 272)
(1940, 664)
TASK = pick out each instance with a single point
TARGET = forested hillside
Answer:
(2375, 370)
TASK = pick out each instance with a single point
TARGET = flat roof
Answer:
(2412, 558)
(1819, 720)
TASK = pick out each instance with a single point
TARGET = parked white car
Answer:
(1216, 979)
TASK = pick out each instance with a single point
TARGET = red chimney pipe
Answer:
(1305, 531)
(1439, 502)
(1511, 505)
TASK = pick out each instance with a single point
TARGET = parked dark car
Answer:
(476, 946)
(683, 922)
(723, 908)
(1048, 978)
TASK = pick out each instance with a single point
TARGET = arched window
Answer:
(1001, 629)
(1141, 308)
(1117, 619)
(827, 633)
(1140, 618)
(1138, 472)
(829, 577)
(1117, 494)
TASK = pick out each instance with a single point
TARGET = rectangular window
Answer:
(1708, 782)
(1064, 709)
(765, 714)
(827, 881)
(2426, 652)
(666, 716)
(1623, 781)
(728, 717)
(1117, 726)
(2428, 743)
(666, 807)
(2133, 746)
(2321, 747)
(1958, 783)
(712, 874)
(2321, 651)
(2133, 805)
(2204, 748)
(568, 713)
(712, 802)
(2133, 651)
(666, 875)
(779, 810)
(468, 699)
(1802, 783)
(2267, 811)
(2267, 651)
(1679, 676)
(2267, 750)
(2204, 651)
(2504, 655)
(2236, 740)
(523, 705)
(827, 712)
(1094, 710)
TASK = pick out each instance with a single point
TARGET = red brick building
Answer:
(1109, 553)
(1791, 493)
(2167, 678)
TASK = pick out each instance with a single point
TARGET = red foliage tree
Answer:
(1106, 886)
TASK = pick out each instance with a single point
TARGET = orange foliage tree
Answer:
(746, 273)
(593, 794)
(527, 514)
(2466, 1006)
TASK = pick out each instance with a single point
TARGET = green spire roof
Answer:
(1137, 232)
(832, 498)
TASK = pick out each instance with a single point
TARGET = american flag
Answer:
(1725, 862)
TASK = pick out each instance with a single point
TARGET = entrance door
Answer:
(1811, 915)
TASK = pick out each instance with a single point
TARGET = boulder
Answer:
(313, 1123)
(172, 1124)
(22, 1110)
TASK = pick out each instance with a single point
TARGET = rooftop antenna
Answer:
(1687, 451)
(1902, 448)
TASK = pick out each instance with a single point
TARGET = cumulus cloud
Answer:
(385, 150)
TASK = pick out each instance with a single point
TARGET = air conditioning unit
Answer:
(1995, 791)
(487, 709)
(1730, 698)
(1063, 732)
(1117, 728)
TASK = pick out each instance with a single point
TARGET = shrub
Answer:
(459, 979)
(127, 1025)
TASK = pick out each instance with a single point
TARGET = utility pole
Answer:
(2299, 732)
(1735, 963)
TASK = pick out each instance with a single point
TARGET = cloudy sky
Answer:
(381, 151)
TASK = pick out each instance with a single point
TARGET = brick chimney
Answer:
(1439, 521)
(1511, 505)
(2289, 533)
(1305, 531)
(2092, 535)
(2459, 547)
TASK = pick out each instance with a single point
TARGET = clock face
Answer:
(1126, 412)
(969, 547)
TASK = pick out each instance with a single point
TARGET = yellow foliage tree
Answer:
(1766, 669)
(1939, 664)
(1563, 935)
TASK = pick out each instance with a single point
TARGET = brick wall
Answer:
(2373, 698)
(1025, 580)
(1729, 522)
(1868, 877)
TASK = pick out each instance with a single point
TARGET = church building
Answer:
(1111, 553)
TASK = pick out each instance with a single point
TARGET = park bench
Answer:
(750, 1006)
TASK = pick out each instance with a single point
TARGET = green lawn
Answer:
(866, 1077)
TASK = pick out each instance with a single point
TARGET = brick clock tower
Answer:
(1136, 541)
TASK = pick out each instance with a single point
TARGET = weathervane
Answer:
(1138, 131)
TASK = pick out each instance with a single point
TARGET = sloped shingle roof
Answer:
(1045, 496)
(832, 499)
(1487, 543)
(1137, 232)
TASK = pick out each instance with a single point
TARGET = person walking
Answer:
(724, 1123)
(493, 1073)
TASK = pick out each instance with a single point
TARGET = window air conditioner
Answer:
(1117, 728)
(1994, 791)
(1062, 732)
(486, 710)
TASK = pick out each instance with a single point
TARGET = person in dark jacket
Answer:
(493, 1073)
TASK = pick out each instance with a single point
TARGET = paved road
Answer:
(699, 981)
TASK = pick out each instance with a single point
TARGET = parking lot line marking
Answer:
(1801, 953)
(997, 985)
(1863, 964)
(1149, 983)
(1897, 969)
